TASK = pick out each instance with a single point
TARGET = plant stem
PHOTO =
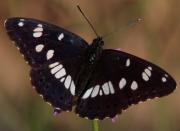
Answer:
(95, 125)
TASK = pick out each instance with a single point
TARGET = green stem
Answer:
(95, 125)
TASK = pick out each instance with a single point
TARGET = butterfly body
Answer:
(94, 51)
(67, 72)
(88, 64)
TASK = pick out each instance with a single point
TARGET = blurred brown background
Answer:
(156, 38)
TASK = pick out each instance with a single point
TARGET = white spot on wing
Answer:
(37, 34)
(145, 76)
(164, 79)
(62, 79)
(22, 19)
(148, 72)
(100, 92)
(50, 54)
(39, 48)
(87, 93)
(53, 64)
(150, 68)
(61, 36)
(38, 31)
(56, 69)
(39, 25)
(122, 83)
(105, 88)
(111, 87)
(128, 62)
(21, 24)
(72, 88)
(95, 91)
(67, 82)
(134, 85)
(60, 73)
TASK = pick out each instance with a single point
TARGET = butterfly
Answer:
(66, 71)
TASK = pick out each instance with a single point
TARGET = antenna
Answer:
(130, 24)
(87, 20)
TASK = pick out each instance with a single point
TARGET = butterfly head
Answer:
(98, 41)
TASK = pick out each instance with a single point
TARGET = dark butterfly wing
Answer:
(120, 80)
(53, 53)
(40, 42)
(56, 83)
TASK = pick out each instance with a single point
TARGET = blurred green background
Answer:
(156, 38)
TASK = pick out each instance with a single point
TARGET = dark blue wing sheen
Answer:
(35, 38)
(120, 80)
(54, 55)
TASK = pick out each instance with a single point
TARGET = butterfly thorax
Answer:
(92, 55)
(94, 51)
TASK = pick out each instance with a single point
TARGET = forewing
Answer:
(54, 55)
(120, 80)
(39, 42)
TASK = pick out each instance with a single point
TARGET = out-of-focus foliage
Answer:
(156, 38)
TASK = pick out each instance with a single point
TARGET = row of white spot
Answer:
(49, 54)
(59, 72)
(106, 89)
(122, 84)
(146, 74)
(38, 31)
